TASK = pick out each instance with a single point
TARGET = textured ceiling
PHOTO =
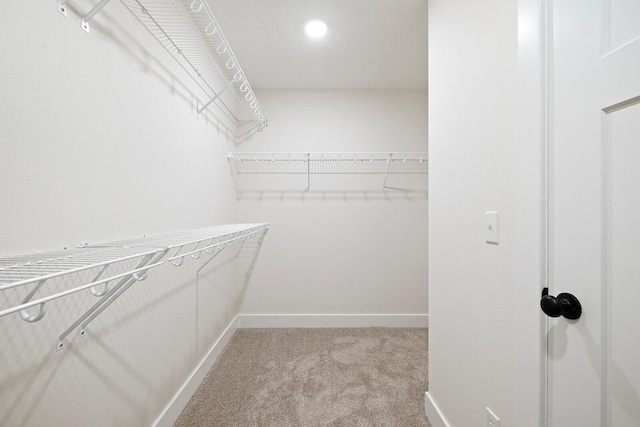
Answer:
(370, 44)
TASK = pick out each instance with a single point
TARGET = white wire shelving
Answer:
(108, 270)
(189, 32)
(372, 170)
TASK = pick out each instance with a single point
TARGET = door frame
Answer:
(532, 142)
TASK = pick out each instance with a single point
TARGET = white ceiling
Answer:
(370, 44)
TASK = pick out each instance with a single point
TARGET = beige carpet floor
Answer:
(315, 377)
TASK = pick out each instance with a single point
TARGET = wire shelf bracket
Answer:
(109, 296)
(62, 8)
(97, 8)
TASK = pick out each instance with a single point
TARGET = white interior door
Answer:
(594, 217)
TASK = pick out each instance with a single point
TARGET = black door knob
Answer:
(563, 305)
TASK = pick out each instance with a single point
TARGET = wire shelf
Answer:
(24, 270)
(111, 267)
(189, 32)
(338, 170)
(38, 269)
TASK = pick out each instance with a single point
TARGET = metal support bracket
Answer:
(113, 294)
(86, 18)
(235, 79)
(62, 7)
(308, 171)
(61, 344)
(204, 107)
(249, 272)
(384, 184)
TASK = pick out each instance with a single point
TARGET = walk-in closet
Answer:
(178, 177)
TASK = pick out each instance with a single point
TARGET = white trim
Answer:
(532, 128)
(175, 407)
(433, 412)
(333, 320)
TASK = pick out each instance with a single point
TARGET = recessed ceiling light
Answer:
(315, 29)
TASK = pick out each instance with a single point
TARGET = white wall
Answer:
(473, 157)
(99, 141)
(333, 252)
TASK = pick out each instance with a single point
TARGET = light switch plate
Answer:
(492, 227)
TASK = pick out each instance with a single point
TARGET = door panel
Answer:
(594, 211)
(622, 213)
(621, 21)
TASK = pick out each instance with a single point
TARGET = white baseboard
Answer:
(435, 416)
(333, 320)
(175, 407)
